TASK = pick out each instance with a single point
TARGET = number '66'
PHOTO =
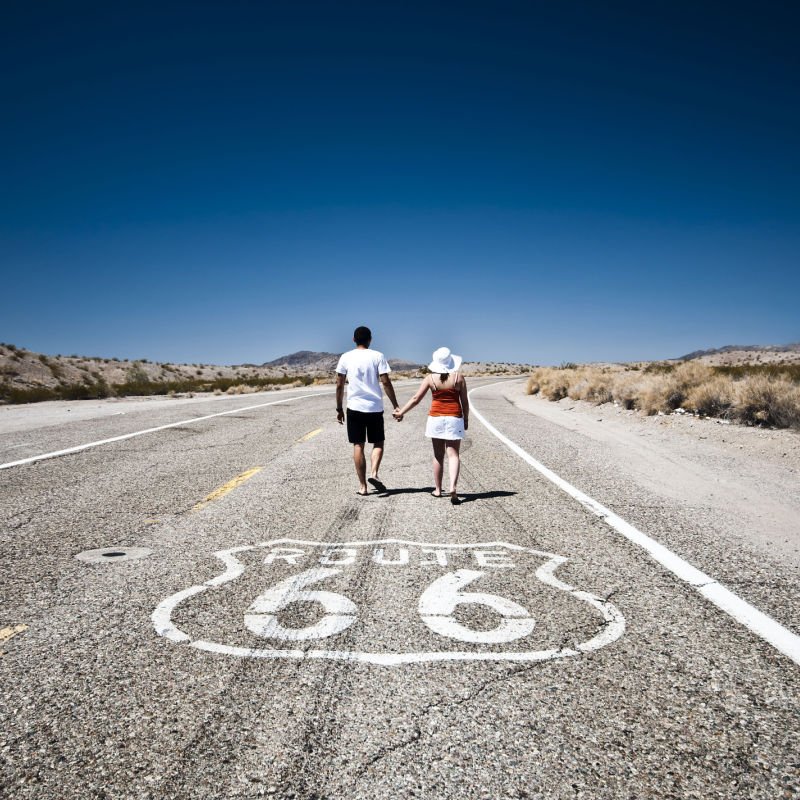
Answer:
(436, 606)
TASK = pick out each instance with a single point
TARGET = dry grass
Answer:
(243, 388)
(753, 399)
(769, 401)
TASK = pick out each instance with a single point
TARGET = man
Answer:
(365, 371)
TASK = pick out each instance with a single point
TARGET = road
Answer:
(268, 633)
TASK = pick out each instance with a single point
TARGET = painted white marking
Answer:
(162, 616)
(78, 448)
(340, 611)
(402, 557)
(436, 608)
(781, 638)
(439, 557)
(439, 601)
(287, 554)
(333, 556)
(492, 558)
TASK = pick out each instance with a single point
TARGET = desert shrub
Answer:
(625, 389)
(712, 398)
(583, 383)
(789, 372)
(142, 385)
(84, 391)
(36, 394)
(659, 368)
(597, 386)
(550, 382)
(532, 386)
(593, 384)
(241, 388)
(137, 374)
(576, 388)
(689, 374)
(755, 394)
(677, 383)
(65, 391)
(764, 400)
(555, 388)
(654, 394)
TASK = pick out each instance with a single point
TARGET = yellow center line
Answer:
(228, 487)
(310, 435)
(10, 632)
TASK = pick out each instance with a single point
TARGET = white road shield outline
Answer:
(613, 625)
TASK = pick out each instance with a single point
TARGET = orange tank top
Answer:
(446, 403)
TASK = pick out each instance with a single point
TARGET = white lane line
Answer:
(80, 447)
(781, 638)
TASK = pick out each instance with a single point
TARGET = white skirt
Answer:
(445, 428)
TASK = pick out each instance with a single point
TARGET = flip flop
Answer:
(433, 494)
(377, 484)
(455, 500)
(362, 494)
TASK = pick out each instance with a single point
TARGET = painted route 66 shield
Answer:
(388, 602)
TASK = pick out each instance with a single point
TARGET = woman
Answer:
(448, 417)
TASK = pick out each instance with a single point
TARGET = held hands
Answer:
(397, 415)
(340, 416)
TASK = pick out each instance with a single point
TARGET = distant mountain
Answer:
(403, 366)
(311, 361)
(744, 348)
(306, 359)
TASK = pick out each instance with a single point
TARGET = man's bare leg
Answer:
(377, 456)
(360, 461)
(375, 463)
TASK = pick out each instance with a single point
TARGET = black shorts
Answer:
(364, 426)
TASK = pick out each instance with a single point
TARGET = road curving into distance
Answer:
(263, 631)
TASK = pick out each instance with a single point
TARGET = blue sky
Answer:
(229, 182)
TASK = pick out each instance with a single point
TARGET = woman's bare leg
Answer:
(438, 464)
(454, 460)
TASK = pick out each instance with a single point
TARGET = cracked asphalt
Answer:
(334, 646)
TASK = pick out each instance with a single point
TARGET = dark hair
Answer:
(362, 335)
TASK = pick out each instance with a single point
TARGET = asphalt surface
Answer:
(511, 647)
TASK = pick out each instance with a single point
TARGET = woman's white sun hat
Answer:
(444, 361)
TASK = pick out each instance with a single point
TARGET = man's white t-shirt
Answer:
(363, 368)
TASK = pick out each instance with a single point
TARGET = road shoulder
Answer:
(745, 474)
